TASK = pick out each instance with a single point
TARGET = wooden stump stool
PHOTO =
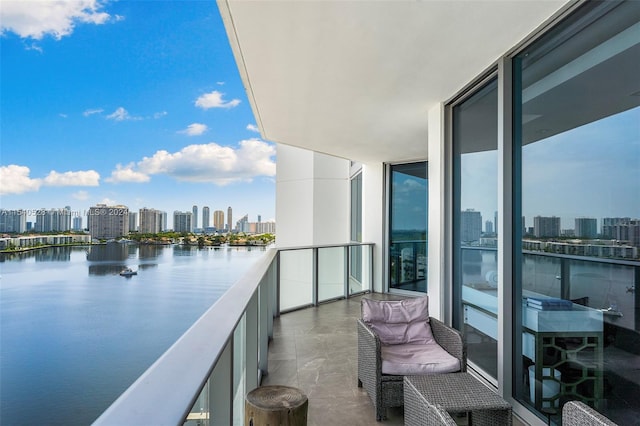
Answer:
(275, 406)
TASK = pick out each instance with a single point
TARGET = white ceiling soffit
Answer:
(356, 79)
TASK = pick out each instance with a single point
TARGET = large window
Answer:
(408, 227)
(475, 220)
(577, 133)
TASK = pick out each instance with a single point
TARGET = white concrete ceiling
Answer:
(355, 79)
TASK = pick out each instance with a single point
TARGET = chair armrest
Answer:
(451, 340)
(576, 413)
(369, 352)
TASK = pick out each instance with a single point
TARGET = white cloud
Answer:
(121, 114)
(57, 18)
(253, 128)
(63, 115)
(214, 100)
(210, 163)
(80, 195)
(195, 129)
(15, 179)
(89, 112)
(81, 178)
(160, 114)
(220, 83)
(127, 174)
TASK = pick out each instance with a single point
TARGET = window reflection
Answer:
(580, 160)
(408, 227)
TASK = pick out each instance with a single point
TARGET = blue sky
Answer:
(129, 102)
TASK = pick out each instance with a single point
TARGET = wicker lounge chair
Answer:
(386, 389)
(576, 413)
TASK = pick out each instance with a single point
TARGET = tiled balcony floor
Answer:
(315, 350)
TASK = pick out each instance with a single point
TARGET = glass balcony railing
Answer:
(202, 379)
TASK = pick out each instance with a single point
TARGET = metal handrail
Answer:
(167, 391)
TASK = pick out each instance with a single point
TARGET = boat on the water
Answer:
(127, 272)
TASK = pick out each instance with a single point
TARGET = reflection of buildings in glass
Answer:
(586, 227)
(546, 226)
(622, 229)
(407, 270)
(470, 225)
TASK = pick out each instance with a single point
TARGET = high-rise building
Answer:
(243, 224)
(151, 221)
(229, 220)
(205, 217)
(13, 221)
(470, 225)
(182, 221)
(488, 227)
(546, 226)
(106, 222)
(53, 220)
(77, 223)
(218, 220)
(133, 221)
(586, 228)
(194, 218)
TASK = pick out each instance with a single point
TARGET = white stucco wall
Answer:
(438, 296)
(312, 198)
(373, 214)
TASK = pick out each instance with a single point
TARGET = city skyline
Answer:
(101, 105)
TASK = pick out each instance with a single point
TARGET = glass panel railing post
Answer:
(314, 277)
(565, 279)
(251, 344)
(264, 327)
(239, 368)
(220, 389)
(347, 268)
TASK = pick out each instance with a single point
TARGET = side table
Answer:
(454, 393)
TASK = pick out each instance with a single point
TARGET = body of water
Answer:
(74, 334)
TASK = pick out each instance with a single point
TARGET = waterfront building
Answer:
(40, 240)
(13, 221)
(242, 225)
(470, 225)
(133, 221)
(218, 220)
(546, 226)
(108, 222)
(53, 220)
(422, 108)
(229, 219)
(194, 221)
(206, 220)
(152, 221)
(268, 227)
(488, 227)
(77, 223)
(586, 227)
(182, 221)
